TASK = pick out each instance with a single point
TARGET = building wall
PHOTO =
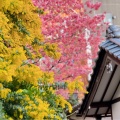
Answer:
(116, 106)
(111, 6)
(116, 111)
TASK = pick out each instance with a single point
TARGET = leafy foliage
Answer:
(73, 25)
(26, 91)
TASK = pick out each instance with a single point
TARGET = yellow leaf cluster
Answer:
(63, 103)
(37, 111)
(3, 92)
(47, 77)
(29, 73)
(52, 50)
(21, 39)
(75, 85)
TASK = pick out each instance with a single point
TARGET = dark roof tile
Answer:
(107, 44)
(104, 43)
(111, 47)
(112, 51)
(117, 53)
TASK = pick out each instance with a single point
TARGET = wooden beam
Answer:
(113, 96)
(99, 115)
(98, 78)
(115, 59)
(108, 84)
(100, 104)
(98, 118)
(115, 100)
(94, 84)
(98, 70)
(104, 104)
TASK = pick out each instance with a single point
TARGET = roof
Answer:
(105, 80)
(111, 47)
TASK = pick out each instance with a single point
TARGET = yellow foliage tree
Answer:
(24, 89)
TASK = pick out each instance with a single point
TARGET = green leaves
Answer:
(2, 113)
(28, 53)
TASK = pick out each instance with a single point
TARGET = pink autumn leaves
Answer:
(94, 6)
(64, 23)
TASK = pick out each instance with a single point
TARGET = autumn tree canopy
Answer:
(77, 31)
(26, 91)
(44, 53)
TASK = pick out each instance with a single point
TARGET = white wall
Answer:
(106, 118)
(117, 94)
(116, 106)
(116, 111)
